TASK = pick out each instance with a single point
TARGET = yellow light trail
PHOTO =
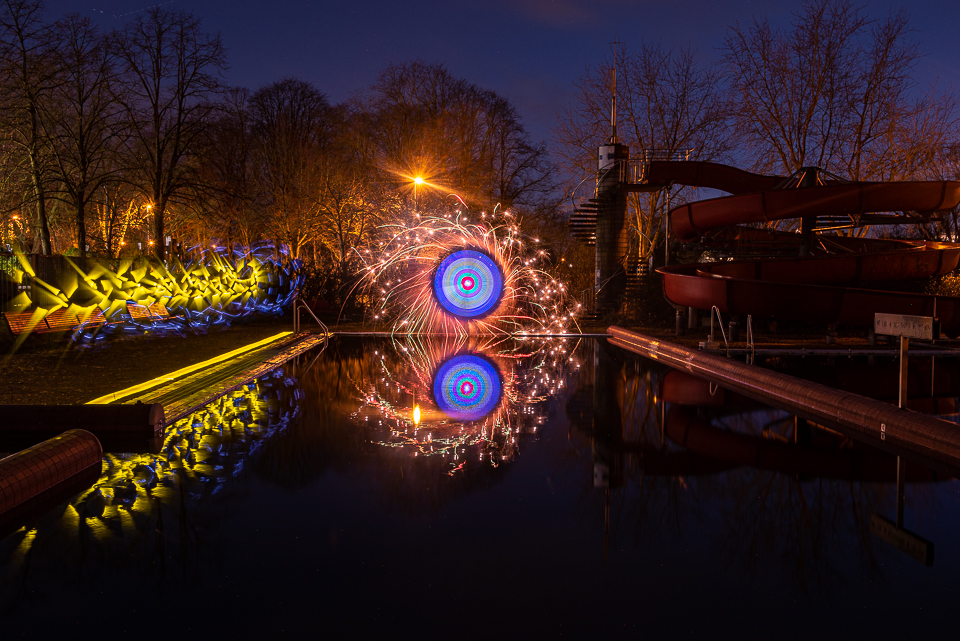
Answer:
(115, 396)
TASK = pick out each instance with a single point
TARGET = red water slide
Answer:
(816, 288)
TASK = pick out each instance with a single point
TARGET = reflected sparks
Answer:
(475, 397)
(346, 472)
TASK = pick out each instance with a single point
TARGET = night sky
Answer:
(529, 51)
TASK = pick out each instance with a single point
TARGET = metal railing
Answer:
(716, 311)
(751, 346)
(588, 299)
(300, 305)
(644, 157)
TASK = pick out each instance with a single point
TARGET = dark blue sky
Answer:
(529, 51)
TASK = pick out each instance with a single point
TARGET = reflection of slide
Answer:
(807, 288)
(937, 397)
(699, 436)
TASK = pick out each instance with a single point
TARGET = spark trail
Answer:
(443, 274)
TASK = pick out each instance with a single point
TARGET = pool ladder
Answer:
(299, 305)
(751, 346)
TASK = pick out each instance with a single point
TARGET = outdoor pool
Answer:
(544, 488)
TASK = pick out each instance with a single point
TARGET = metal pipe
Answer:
(904, 374)
(666, 231)
(45, 475)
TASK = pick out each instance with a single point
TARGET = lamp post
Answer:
(417, 182)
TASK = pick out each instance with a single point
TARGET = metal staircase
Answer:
(583, 221)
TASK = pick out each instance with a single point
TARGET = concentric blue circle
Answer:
(468, 283)
(466, 387)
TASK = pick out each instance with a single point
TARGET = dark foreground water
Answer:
(561, 489)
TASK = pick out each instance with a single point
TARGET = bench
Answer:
(59, 320)
(147, 313)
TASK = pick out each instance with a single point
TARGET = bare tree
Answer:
(291, 125)
(835, 91)
(25, 79)
(170, 75)
(234, 207)
(350, 200)
(666, 102)
(80, 119)
(468, 140)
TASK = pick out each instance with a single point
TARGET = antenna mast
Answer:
(613, 96)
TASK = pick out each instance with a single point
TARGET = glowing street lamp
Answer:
(417, 182)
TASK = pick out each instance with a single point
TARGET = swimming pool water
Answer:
(310, 503)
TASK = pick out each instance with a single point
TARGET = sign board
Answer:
(922, 327)
(904, 540)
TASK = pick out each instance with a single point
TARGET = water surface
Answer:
(559, 488)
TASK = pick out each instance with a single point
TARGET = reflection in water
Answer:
(142, 506)
(475, 396)
(466, 387)
(617, 451)
(673, 450)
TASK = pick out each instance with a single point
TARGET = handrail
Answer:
(588, 298)
(752, 355)
(722, 332)
(297, 306)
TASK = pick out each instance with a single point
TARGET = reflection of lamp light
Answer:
(416, 415)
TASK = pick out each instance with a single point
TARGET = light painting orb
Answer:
(467, 387)
(468, 284)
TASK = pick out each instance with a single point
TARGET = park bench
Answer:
(59, 320)
(140, 313)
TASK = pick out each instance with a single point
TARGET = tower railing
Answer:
(640, 162)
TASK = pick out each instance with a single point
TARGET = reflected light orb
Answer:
(467, 387)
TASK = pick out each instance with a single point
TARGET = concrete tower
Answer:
(612, 247)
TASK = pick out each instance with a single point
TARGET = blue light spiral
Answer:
(468, 283)
(467, 387)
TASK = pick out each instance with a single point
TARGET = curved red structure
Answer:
(816, 287)
(46, 474)
(869, 465)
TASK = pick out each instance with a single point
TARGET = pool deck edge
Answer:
(930, 438)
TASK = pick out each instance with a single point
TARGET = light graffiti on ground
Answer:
(138, 296)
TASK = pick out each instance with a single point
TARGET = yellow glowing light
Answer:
(418, 180)
(416, 415)
(110, 398)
